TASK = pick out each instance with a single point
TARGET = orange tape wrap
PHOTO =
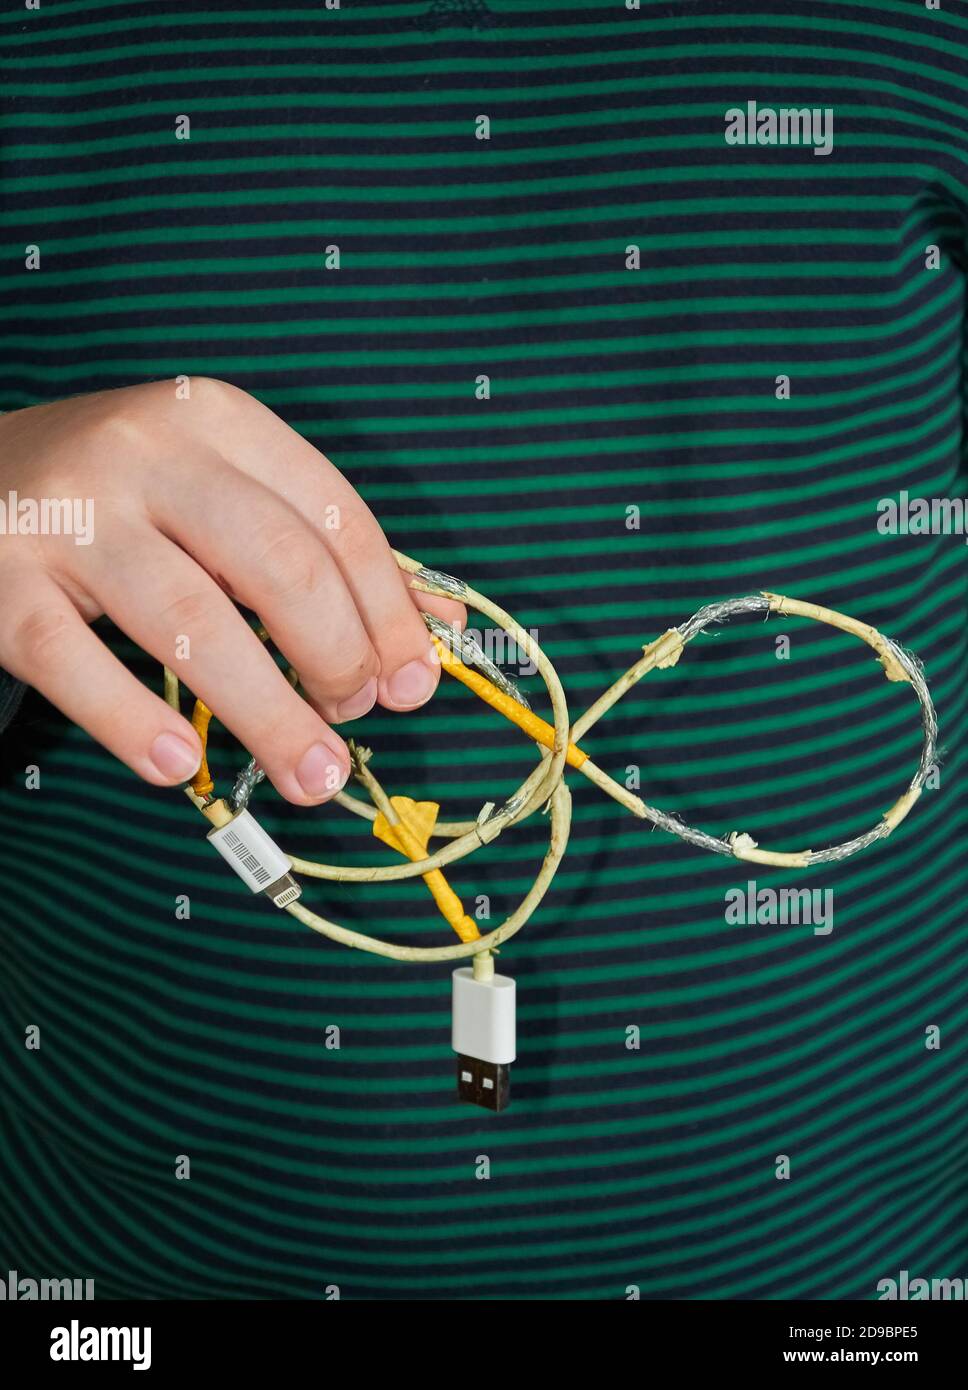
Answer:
(529, 723)
(202, 784)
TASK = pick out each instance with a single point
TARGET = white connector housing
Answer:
(253, 854)
(483, 1017)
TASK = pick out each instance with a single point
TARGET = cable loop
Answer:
(558, 744)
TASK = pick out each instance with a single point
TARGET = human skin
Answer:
(201, 497)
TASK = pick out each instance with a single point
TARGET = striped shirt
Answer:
(548, 283)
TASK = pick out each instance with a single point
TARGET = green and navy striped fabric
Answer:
(633, 286)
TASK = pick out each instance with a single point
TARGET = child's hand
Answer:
(195, 500)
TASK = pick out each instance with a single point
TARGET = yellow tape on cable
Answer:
(410, 836)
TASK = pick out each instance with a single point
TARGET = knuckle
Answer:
(346, 674)
(189, 613)
(289, 565)
(211, 393)
(40, 638)
(358, 533)
(117, 429)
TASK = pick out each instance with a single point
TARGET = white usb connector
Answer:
(483, 1035)
(256, 858)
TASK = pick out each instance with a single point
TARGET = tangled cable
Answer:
(408, 826)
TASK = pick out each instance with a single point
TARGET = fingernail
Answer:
(174, 757)
(320, 772)
(359, 704)
(412, 684)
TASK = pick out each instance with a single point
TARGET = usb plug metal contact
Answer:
(483, 1036)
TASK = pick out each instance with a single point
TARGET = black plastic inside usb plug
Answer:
(484, 1083)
